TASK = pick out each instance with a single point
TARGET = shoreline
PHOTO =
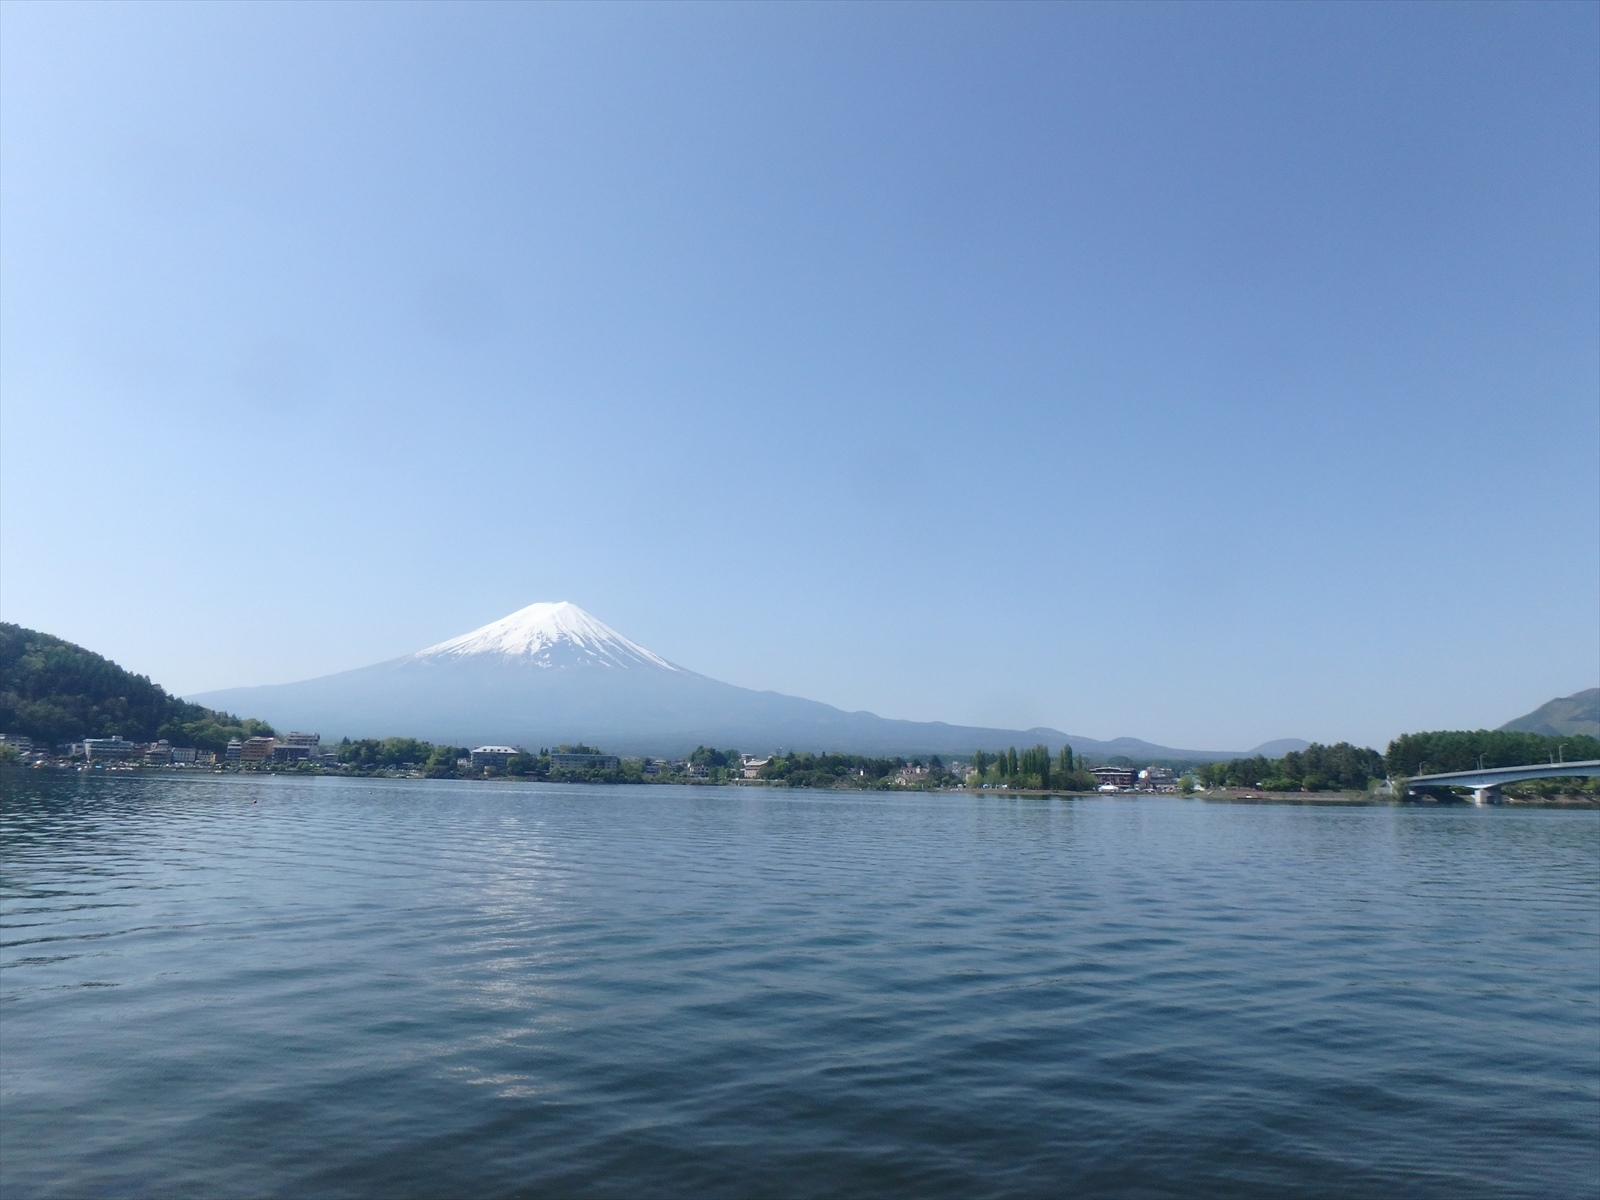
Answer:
(1330, 799)
(1327, 799)
(1216, 796)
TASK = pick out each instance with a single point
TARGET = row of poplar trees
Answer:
(1034, 768)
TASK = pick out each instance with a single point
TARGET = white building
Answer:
(112, 747)
(492, 756)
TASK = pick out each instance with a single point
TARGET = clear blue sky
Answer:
(1205, 374)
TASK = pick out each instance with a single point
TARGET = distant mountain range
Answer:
(1577, 713)
(552, 673)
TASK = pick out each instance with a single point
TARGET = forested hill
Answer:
(53, 692)
(1577, 713)
(1465, 750)
(1319, 768)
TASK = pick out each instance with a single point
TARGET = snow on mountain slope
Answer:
(551, 673)
(549, 635)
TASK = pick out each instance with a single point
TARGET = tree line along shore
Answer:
(54, 695)
(1327, 771)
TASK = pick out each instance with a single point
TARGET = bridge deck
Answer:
(1491, 777)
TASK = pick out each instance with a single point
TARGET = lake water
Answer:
(223, 986)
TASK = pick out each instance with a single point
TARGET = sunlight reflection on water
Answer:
(418, 988)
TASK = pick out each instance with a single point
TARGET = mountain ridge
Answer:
(1577, 713)
(551, 673)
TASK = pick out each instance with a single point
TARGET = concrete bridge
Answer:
(1486, 783)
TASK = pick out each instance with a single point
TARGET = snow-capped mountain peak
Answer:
(549, 635)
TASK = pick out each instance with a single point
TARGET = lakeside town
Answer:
(1342, 771)
(302, 752)
(65, 709)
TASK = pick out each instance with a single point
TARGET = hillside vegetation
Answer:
(53, 691)
(1346, 767)
(1577, 713)
(1317, 768)
(1460, 750)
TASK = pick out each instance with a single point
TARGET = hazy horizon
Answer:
(1206, 375)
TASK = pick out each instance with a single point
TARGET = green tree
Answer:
(394, 752)
(1316, 768)
(800, 769)
(54, 691)
(1463, 750)
(441, 761)
(1033, 767)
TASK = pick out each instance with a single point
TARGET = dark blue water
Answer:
(425, 989)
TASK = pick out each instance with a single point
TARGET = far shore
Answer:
(1213, 796)
(1347, 799)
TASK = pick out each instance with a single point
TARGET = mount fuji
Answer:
(552, 673)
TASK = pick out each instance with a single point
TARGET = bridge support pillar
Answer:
(1486, 795)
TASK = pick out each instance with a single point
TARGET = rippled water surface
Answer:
(216, 986)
